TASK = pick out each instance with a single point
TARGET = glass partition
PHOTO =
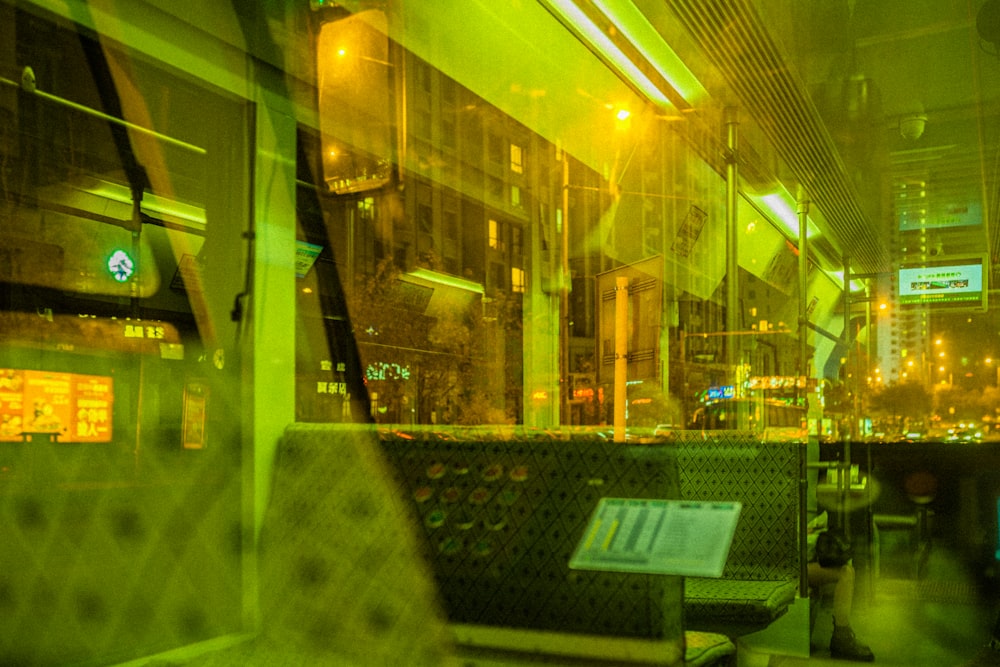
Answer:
(123, 212)
(624, 218)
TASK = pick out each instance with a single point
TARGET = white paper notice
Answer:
(687, 538)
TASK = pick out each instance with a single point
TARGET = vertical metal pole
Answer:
(844, 476)
(803, 369)
(848, 339)
(134, 310)
(564, 388)
(733, 343)
(802, 392)
(621, 355)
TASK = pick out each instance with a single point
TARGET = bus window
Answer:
(775, 420)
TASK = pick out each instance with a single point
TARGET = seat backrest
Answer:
(341, 576)
(764, 477)
(500, 517)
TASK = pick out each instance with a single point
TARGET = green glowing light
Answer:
(121, 265)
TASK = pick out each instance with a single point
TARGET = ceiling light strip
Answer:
(618, 46)
(652, 49)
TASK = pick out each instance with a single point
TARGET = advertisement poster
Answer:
(954, 283)
(74, 407)
(47, 402)
(93, 399)
(11, 404)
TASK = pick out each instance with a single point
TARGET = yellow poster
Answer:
(71, 406)
(195, 404)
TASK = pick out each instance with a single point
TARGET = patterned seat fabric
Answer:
(500, 519)
(761, 577)
(341, 581)
(344, 568)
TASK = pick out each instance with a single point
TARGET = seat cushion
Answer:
(727, 603)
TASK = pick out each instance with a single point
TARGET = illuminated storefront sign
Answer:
(74, 407)
(780, 382)
(382, 370)
(144, 331)
(716, 393)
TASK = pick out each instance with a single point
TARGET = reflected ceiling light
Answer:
(783, 211)
(782, 205)
(631, 22)
(838, 276)
(448, 280)
(621, 36)
(191, 214)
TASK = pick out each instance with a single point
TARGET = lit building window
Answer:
(496, 235)
(516, 279)
(516, 159)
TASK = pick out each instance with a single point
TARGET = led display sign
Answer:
(949, 283)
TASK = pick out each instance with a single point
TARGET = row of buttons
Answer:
(491, 473)
(452, 546)
(464, 519)
(477, 497)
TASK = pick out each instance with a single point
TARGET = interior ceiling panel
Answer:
(837, 86)
(732, 34)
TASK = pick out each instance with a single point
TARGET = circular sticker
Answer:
(493, 472)
(450, 545)
(451, 495)
(436, 470)
(509, 496)
(496, 516)
(435, 519)
(423, 494)
(479, 496)
(519, 473)
(465, 520)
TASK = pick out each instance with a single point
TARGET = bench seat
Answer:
(762, 574)
(345, 579)
(721, 604)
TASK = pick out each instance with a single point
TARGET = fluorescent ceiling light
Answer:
(838, 276)
(782, 206)
(193, 216)
(783, 212)
(447, 280)
(627, 18)
(632, 48)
